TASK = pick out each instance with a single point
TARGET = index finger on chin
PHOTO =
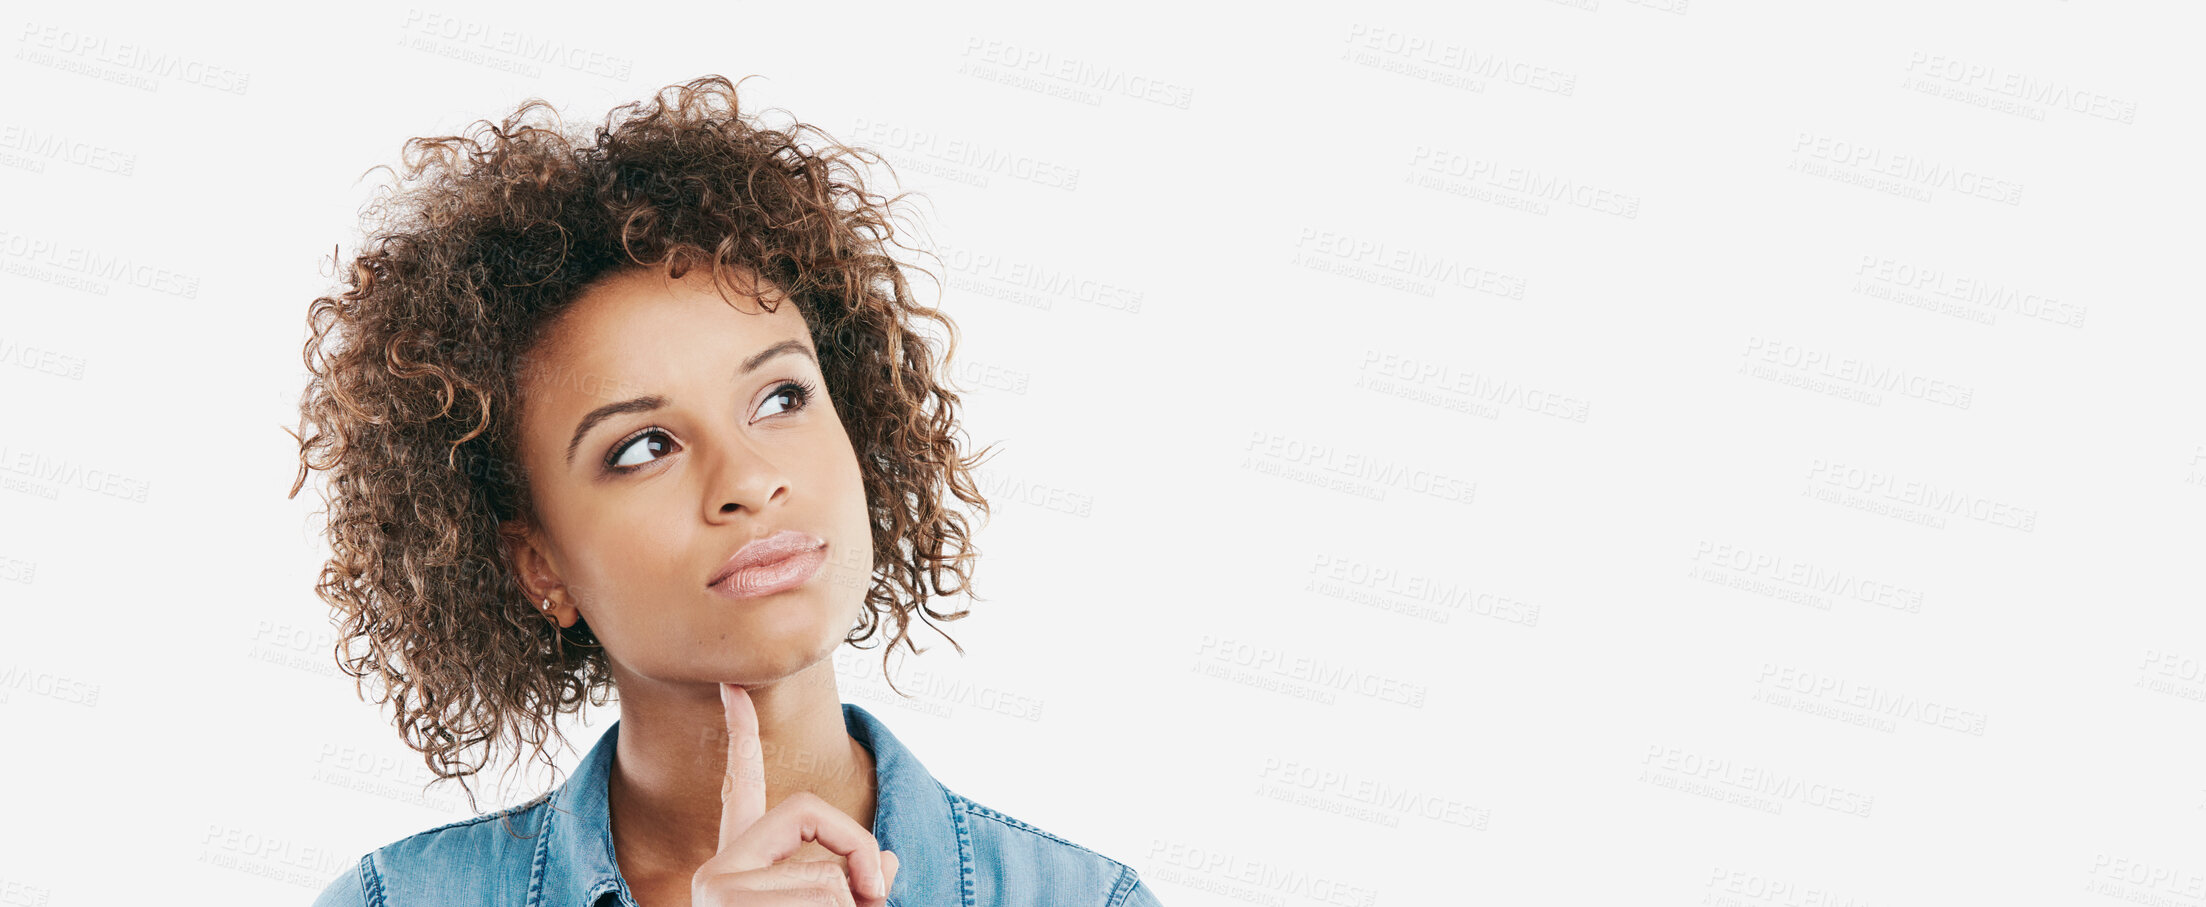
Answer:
(743, 793)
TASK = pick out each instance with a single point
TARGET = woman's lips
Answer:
(776, 563)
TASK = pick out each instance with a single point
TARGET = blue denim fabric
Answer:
(557, 850)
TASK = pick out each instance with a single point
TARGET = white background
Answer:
(1598, 452)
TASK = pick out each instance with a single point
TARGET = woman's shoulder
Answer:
(485, 859)
(488, 860)
(1017, 859)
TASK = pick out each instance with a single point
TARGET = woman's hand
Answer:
(752, 868)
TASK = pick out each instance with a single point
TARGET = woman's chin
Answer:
(776, 652)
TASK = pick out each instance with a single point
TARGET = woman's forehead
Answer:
(636, 336)
(635, 313)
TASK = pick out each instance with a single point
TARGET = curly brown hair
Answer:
(413, 409)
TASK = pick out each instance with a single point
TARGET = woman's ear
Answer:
(538, 575)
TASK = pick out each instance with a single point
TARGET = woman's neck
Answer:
(671, 758)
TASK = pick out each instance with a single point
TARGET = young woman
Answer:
(652, 414)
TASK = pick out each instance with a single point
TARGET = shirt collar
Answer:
(574, 865)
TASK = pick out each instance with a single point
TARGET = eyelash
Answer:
(803, 391)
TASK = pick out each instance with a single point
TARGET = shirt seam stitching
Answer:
(966, 893)
(371, 881)
(476, 820)
(1015, 823)
(537, 863)
(1125, 887)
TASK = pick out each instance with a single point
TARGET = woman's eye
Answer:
(643, 449)
(799, 393)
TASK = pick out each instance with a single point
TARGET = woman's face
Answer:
(663, 429)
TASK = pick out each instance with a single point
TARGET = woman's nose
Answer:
(741, 477)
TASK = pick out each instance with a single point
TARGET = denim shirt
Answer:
(559, 851)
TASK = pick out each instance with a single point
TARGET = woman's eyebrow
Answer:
(787, 346)
(654, 401)
(609, 410)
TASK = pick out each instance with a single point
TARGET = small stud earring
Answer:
(547, 603)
